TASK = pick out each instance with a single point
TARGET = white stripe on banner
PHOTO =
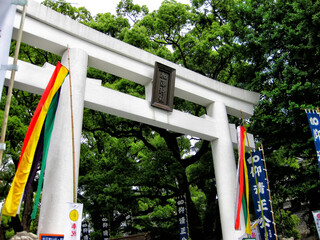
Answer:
(74, 219)
(7, 13)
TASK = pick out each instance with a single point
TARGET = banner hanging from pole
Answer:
(314, 122)
(105, 229)
(242, 197)
(73, 227)
(255, 230)
(36, 142)
(85, 231)
(182, 218)
(262, 188)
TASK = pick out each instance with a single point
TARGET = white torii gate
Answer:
(51, 31)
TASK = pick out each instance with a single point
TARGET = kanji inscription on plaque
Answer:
(163, 87)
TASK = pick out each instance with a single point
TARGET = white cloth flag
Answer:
(316, 216)
(7, 14)
(74, 219)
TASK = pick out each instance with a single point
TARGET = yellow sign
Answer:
(74, 215)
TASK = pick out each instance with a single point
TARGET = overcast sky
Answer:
(103, 6)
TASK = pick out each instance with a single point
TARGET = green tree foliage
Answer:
(271, 47)
(141, 176)
(108, 24)
(80, 14)
(281, 44)
(126, 8)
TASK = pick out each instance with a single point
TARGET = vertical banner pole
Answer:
(13, 73)
(72, 130)
(266, 172)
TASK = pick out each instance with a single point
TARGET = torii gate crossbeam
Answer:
(51, 31)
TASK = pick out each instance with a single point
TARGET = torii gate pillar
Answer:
(58, 183)
(225, 170)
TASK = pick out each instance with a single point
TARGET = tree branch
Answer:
(191, 160)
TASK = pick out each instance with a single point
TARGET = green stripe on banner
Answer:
(49, 122)
(244, 207)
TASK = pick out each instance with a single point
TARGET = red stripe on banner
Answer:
(241, 183)
(39, 108)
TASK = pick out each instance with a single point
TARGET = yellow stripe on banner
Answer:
(248, 225)
(12, 202)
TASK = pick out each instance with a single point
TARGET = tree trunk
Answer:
(195, 223)
(211, 225)
(2, 233)
(26, 217)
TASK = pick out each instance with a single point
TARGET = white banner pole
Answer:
(13, 72)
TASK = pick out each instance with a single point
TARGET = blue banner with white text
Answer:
(263, 190)
(314, 122)
(105, 229)
(182, 217)
(85, 231)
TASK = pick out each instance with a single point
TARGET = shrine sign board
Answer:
(163, 87)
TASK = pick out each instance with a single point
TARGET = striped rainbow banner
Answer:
(31, 142)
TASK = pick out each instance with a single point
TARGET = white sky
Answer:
(103, 6)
